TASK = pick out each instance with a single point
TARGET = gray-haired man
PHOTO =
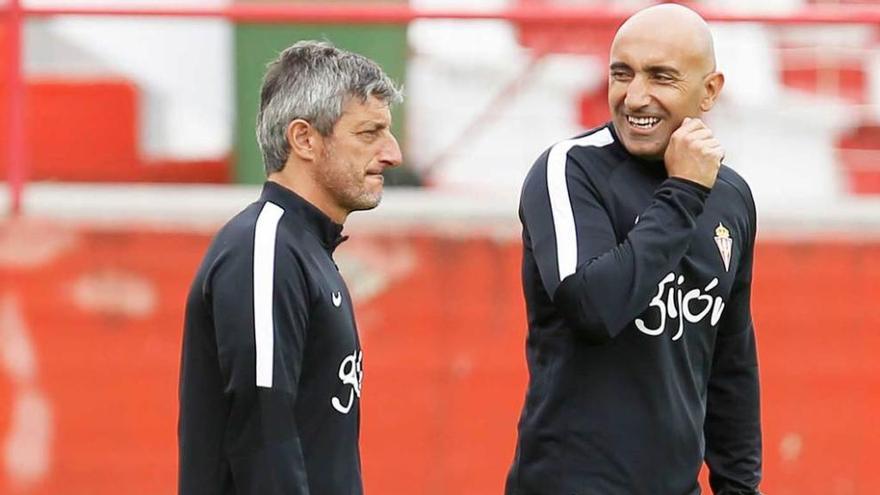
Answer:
(272, 366)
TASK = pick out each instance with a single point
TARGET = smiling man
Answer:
(637, 270)
(272, 366)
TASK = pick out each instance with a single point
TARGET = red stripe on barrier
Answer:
(401, 14)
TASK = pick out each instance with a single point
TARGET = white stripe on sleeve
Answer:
(560, 201)
(264, 274)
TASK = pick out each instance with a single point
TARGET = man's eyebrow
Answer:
(373, 124)
(663, 69)
(651, 69)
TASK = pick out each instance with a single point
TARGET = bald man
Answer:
(637, 270)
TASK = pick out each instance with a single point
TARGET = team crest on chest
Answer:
(724, 243)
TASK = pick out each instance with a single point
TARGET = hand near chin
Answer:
(693, 153)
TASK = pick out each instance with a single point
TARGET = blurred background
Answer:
(126, 140)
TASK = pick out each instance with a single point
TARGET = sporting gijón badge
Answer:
(724, 243)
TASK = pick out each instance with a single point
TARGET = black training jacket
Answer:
(641, 349)
(271, 370)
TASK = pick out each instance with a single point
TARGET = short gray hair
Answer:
(311, 80)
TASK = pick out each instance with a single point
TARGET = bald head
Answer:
(676, 26)
(662, 70)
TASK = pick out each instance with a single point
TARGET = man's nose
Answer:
(637, 94)
(391, 156)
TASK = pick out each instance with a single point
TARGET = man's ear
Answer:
(713, 84)
(304, 140)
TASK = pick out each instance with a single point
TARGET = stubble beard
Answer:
(645, 150)
(346, 184)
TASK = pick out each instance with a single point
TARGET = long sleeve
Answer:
(733, 423)
(260, 311)
(596, 283)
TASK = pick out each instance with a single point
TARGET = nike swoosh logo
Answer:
(337, 298)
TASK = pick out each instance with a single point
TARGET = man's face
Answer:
(654, 82)
(359, 148)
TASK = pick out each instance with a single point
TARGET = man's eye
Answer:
(663, 77)
(620, 75)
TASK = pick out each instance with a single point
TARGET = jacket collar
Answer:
(655, 167)
(307, 214)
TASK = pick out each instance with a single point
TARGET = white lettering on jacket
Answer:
(351, 372)
(693, 305)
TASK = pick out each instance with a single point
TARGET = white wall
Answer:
(477, 112)
(183, 68)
